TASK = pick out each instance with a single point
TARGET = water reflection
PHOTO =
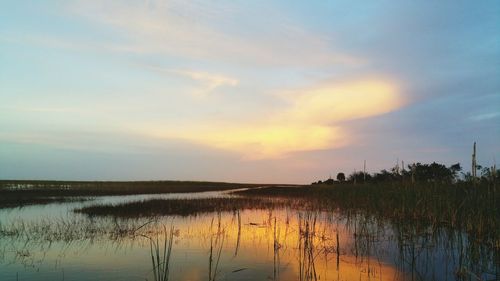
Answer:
(283, 244)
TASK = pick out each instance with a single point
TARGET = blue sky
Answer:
(248, 91)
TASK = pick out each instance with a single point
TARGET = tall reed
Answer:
(161, 254)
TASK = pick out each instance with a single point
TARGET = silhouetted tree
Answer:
(359, 177)
(383, 176)
(329, 181)
(341, 177)
(433, 172)
(455, 169)
(418, 172)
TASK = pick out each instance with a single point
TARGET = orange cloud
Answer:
(342, 101)
(266, 141)
(311, 122)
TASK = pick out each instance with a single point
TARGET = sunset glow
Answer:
(264, 89)
(310, 122)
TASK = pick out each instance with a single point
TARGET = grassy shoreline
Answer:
(120, 187)
(17, 193)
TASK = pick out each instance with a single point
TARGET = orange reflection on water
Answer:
(277, 245)
(247, 245)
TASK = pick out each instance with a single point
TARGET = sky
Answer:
(245, 91)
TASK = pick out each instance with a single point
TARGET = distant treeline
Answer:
(419, 172)
(91, 188)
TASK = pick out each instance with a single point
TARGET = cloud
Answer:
(262, 141)
(312, 121)
(175, 34)
(40, 109)
(211, 32)
(340, 101)
(209, 81)
(485, 116)
(59, 42)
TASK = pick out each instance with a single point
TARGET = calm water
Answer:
(52, 243)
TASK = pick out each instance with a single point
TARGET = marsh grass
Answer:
(161, 254)
(96, 188)
(181, 207)
(415, 211)
(13, 199)
(72, 229)
(307, 249)
(276, 251)
(239, 234)
(472, 209)
(216, 246)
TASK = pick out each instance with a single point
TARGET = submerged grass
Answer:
(71, 229)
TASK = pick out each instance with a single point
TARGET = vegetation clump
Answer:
(181, 207)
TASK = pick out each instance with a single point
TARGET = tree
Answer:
(455, 169)
(359, 177)
(341, 177)
(383, 176)
(434, 172)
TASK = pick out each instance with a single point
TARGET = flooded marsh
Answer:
(223, 236)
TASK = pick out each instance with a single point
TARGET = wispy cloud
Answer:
(41, 109)
(212, 81)
(57, 42)
(209, 81)
(485, 116)
(197, 31)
